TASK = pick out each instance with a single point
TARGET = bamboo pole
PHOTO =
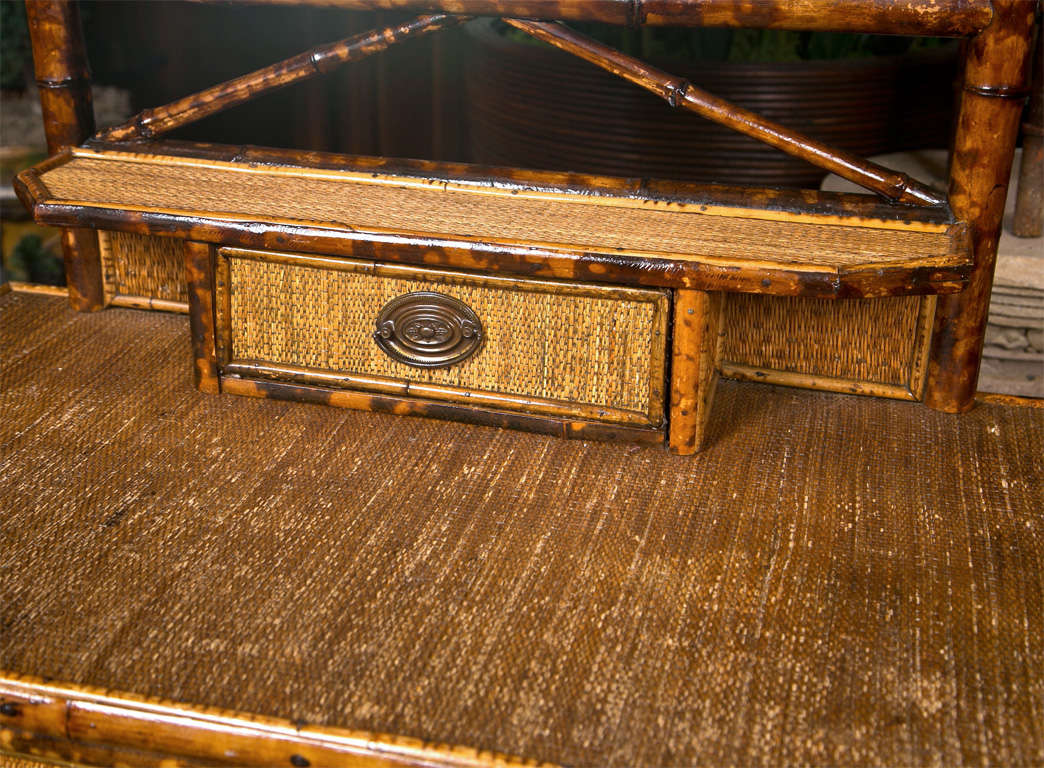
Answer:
(680, 93)
(694, 367)
(318, 61)
(946, 18)
(63, 79)
(199, 273)
(996, 78)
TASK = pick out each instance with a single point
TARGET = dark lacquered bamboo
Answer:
(995, 86)
(947, 18)
(93, 726)
(318, 61)
(403, 406)
(680, 93)
(199, 273)
(63, 79)
(1029, 216)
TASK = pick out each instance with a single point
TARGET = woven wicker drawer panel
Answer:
(880, 343)
(563, 342)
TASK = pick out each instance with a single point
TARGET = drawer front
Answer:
(584, 350)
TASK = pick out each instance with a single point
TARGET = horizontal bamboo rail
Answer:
(680, 93)
(945, 18)
(318, 61)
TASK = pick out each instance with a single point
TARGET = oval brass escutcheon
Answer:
(428, 330)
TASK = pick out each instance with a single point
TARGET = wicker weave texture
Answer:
(434, 210)
(542, 343)
(13, 761)
(871, 340)
(836, 581)
(143, 265)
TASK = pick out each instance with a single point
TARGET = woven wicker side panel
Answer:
(141, 265)
(539, 344)
(868, 340)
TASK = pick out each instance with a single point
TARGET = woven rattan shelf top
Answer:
(554, 232)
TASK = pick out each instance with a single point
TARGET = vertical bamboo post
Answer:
(60, 63)
(199, 272)
(996, 74)
(694, 367)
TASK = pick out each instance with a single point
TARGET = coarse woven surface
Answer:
(141, 265)
(872, 340)
(13, 761)
(366, 205)
(550, 343)
(836, 580)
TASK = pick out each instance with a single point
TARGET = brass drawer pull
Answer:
(428, 330)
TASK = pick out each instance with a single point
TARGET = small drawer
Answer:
(567, 350)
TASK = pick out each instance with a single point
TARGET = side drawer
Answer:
(568, 350)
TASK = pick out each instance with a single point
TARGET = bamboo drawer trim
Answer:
(562, 349)
(620, 238)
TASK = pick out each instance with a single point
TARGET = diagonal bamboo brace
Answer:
(678, 92)
(318, 61)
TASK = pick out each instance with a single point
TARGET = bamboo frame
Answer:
(945, 18)
(199, 271)
(318, 61)
(573, 428)
(694, 368)
(678, 92)
(996, 80)
(63, 79)
(104, 727)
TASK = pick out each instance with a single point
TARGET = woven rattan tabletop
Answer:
(836, 580)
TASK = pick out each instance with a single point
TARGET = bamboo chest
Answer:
(561, 302)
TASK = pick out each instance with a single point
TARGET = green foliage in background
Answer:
(32, 261)
(14, 44)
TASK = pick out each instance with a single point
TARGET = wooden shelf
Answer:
(552, 225)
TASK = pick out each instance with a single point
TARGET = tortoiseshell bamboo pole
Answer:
(678, 92)
(318, 61)
(199, 271)
(1029, 218)
(996, 75)
(63, 78)
(694, 367)
(945, 18)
